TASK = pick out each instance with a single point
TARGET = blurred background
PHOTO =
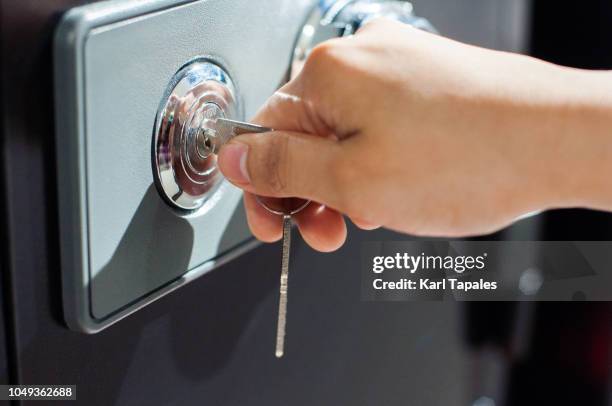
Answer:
(211, 342)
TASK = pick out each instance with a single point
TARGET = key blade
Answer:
(226, 129)
(240, 127)
(284, 285)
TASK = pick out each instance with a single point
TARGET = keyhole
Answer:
(204, 145)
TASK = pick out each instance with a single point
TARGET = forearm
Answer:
(576, 140)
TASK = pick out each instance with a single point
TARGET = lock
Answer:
(342, 18)
(143, 207)
(184, 158)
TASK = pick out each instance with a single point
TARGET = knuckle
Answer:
(323, 55)
(272, 173)
(374, 24)
(379, 25)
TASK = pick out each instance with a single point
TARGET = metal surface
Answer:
(281, 325)
(341, 18)
(283, 206)
(184, 161)
(121, 245)
(225, 129)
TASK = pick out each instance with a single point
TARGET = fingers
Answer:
(322, 228)
(314, 102)
(364, 225)
(302, 158)
(285, 110)
(265, 226)
(286, 164)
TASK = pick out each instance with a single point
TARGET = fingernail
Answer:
(232, 162)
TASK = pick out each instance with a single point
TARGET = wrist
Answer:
(574, 133)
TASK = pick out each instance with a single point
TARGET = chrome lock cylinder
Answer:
(342, 18)
(184, 149)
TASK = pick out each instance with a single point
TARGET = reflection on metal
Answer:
(184, 153)
(342, 18)
(287, 206)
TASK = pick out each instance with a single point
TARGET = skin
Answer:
(400, 128)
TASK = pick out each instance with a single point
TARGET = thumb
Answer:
(286, 164)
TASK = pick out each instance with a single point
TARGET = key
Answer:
(211, 140)
(286, 208)
(281, 325)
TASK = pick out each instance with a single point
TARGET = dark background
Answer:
(212, 342)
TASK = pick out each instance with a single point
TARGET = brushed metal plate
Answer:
(122, 247)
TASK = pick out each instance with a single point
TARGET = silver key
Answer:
(287, 208)
(223, 130)
(212, 140)
(281, 325)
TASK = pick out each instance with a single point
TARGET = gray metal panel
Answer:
(121, 245)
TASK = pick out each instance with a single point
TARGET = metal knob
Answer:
(184, 157)
(341, 18)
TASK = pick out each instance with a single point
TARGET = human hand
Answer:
(404, 129)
